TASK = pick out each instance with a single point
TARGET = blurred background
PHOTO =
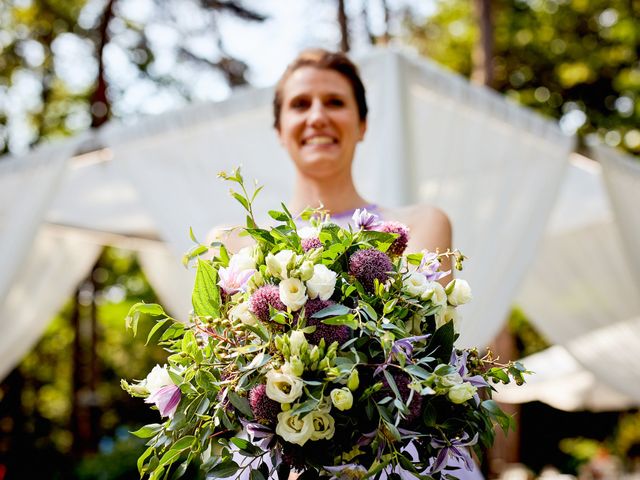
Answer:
(68, 67)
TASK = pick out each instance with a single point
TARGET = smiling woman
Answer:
(320, 116)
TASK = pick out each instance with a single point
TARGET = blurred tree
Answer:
(68, 65)
(575, 60)
(37, 398)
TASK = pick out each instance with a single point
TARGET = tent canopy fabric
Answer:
(494, 167)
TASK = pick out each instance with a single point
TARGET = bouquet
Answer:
(320, 349)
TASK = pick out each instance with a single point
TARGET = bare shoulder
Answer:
(429, 226)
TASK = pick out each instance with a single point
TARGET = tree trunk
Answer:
(99, 101)
(344, 27)
(483, 52)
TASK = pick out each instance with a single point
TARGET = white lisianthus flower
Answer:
(461, 292)
(295, 429)
(462, 392)
(278, 265)
(342, 398)
(308, 232)
(415, 284)
(446, 315)
(296, 341)
(283, 387)
(244, 259)
(157, 378)
(323, 425)
(435, 292)
(450, 380)
(322, 283)
(293, 293)
(242, 314)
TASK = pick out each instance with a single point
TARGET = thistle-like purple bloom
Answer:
(368, 264)
(166, 399)
(456, 448)
(365, 220)
(263, 408)
(399, 245)
(402, 381)
(430, 265)
(311, 243)
(262, 298)
(233, 279)
(330, 333)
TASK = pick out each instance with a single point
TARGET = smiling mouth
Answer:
(319, 140)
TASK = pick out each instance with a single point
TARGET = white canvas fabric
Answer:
(56, 264)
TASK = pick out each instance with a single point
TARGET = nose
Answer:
(317, 114)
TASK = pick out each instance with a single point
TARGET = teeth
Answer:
(319, 141)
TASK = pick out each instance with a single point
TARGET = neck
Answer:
(337, 194)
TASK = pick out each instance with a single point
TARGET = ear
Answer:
(363, 130)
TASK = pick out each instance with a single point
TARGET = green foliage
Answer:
(551, 55)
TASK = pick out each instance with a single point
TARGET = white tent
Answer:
(583, 291)
(493, 166)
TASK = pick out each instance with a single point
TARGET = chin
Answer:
(321, 167)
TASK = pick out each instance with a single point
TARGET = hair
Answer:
(323, 60)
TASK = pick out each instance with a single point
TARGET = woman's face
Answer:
(319, 121)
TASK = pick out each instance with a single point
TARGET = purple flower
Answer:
(262, 299)
(455, 448)
(405, 345)
(234, 279)
(460, 363)
(311, 243)
(370, 264)
(430, 265)
(166, 399)
(263, 408)
(400, 243)
(365, 220)
(330, 333)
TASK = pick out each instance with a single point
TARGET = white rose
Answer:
(415, 284)
(243, 260)
(158, 377)
(278, 264)
(435, 292)
(461, 292)
(323, 425)
(450, 380)
(446, 315)
(462, 392)
(322, 283)
(283, 388)
(242, 314)
(342, 398)
(293, 293)
(293, 428)
(296, 341)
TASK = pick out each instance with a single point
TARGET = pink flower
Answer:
(166, 399)
(262, 299)
(368, 264)
(400, 243)
(310, 243)
(233, 278)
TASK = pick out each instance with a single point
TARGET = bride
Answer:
(320, 115)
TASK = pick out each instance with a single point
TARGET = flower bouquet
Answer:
(323, 350)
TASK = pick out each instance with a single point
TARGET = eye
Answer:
(335, 102)
(299, 103)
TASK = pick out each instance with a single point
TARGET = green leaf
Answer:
(169, 457)
(158, 329)
(346, 320)
(206, 294)
(256, 475)
(278, 215)
(442, 342)
(143, 457)
(147, 431)
(332, 310)
(246, 447)
(241, 403)
(369, 310)
(240, 198)
(417, 371)
(224, 469)
(131, 320)
(184, 443)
